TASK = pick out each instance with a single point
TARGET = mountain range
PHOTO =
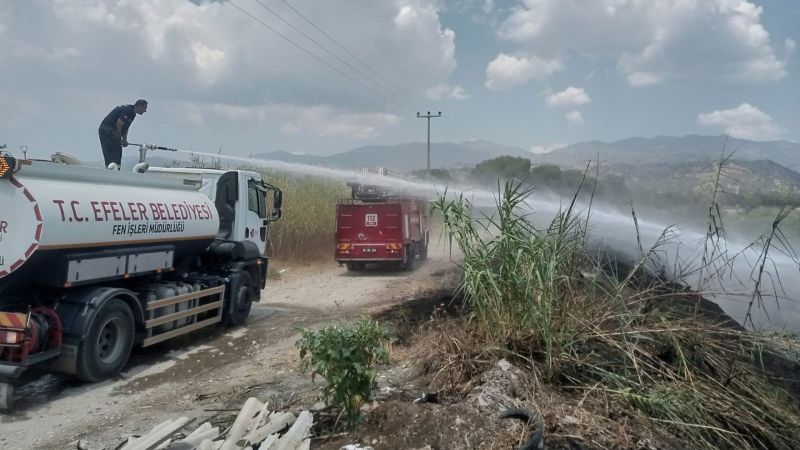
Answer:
(662, 149)
(671, 150)
(404, 157)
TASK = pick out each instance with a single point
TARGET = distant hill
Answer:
(405, 157)
(632, 151)
(741, 176)
(667, 149)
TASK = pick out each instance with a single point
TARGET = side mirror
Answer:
(277, 199)
(276, 214)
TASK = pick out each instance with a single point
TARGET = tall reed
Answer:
(305, 233)
(600, 325)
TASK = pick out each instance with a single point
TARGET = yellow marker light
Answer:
(7, 166)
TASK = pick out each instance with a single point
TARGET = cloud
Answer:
(574, 117)
(569, 97)
(546, 148)
(651, 41)
(744, 122)
(321, 120)
(641, 79)
(208, 51)
(789, 46)
(17, 109)
(445, 91)
(506, 71)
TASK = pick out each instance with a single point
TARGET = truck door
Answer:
(256, 215)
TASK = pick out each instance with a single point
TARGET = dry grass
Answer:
(306, 231)
(538, 294)
(452, 355)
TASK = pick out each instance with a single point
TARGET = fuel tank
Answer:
(48, 210)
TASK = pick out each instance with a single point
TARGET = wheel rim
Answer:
(109, 342)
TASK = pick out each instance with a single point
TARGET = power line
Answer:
(412, 100)
(353, 55)
(328, 51)
(313, 55)
(403, 104)
(429, 116)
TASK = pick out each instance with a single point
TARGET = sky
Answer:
(323, 77)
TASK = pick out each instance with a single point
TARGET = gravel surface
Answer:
(197, 375)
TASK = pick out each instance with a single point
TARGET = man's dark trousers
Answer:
(111, 142)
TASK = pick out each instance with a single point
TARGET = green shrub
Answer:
(503, 168)
(346, 358)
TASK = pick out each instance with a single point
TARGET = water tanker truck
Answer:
(94, 262)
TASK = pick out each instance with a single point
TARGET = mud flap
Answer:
(6, 395)
(67, 361)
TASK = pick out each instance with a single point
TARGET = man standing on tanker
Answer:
(114, 131)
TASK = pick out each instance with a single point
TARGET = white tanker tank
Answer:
(85, 252)
(49, 209)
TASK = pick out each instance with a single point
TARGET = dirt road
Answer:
(213, 370)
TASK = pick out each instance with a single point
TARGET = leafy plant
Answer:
(346, 358)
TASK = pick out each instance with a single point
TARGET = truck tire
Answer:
(355, 266)
(410, 257)
(240, 301)
(108, 342)
(423, 252)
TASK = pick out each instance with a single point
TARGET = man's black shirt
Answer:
(124, 112)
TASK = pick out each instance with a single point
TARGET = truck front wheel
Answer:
(241, 301)
(108, 343)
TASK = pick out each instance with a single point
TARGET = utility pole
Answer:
(429, 117)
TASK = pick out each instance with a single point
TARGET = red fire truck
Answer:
(375, 226)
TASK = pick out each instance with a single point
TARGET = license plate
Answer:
(369, 250)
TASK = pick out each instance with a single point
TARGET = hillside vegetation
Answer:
(751, 192)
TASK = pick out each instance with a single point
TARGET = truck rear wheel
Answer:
(410, 257)
(355, 266)
(108, 343)
(241, 301)
(423, 252)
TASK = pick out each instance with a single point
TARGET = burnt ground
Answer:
(466, 408)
